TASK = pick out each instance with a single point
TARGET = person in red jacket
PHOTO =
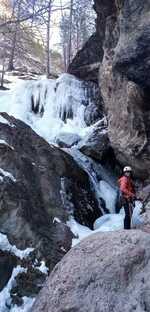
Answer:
(127, 190)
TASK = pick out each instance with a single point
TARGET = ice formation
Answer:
(51, 106)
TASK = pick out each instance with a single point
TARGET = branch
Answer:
(33, 15)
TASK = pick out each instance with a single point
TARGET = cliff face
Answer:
(125, 80)
(123, 29)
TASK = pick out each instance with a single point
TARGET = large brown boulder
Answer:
(104, 273)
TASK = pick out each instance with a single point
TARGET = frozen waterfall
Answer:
(52, 106)
(56, 108)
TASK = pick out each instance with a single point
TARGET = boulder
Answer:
(86, 63)
(41, 186)
(104, 273)
(92, 114)
(96, 143)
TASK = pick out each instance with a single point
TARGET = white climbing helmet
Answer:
(127, 169)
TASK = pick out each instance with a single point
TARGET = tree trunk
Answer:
(14, 39)
(70, 34)
(3, 74)
(48, 67)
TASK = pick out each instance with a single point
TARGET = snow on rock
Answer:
(43, 268)
(114, 222)
(56, 220)
(5, 143)
(7, 174)
(5, 293)
(26, 307)
(80, 231)
(5, 121)
(6, 246)
(106, 223)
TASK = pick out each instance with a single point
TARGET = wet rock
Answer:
(96, 143)
(124, 81)
(86, 63)
(67, 139)
(92, 114)
(7, 263)
(28, 284)
(118, 276)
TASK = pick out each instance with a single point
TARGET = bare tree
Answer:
(70, 32)
(81, 25)
(48, 50)
(17, 6)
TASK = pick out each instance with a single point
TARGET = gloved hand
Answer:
(139, 198)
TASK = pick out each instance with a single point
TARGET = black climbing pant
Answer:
(128, 207)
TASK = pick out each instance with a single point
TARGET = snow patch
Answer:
(5, 143)
(5, 293)
(26, 307)
(4, 173)
(5, 121)
(80, 231)
(6, 246)
(106, 223)
(56, 220)
(43, 268)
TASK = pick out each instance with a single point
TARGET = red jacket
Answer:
(126, 187)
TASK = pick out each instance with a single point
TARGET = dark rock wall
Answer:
(123, 35)
(124, 82)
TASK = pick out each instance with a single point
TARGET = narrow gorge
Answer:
(63, 144)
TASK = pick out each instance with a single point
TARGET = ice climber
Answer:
(127, 192)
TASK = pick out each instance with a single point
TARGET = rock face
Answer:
(40, 185)
(124, 81)
(86, 63)
(96, 144)
(67, 139)
(7, 263)
(123, 29)
(95, 277)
